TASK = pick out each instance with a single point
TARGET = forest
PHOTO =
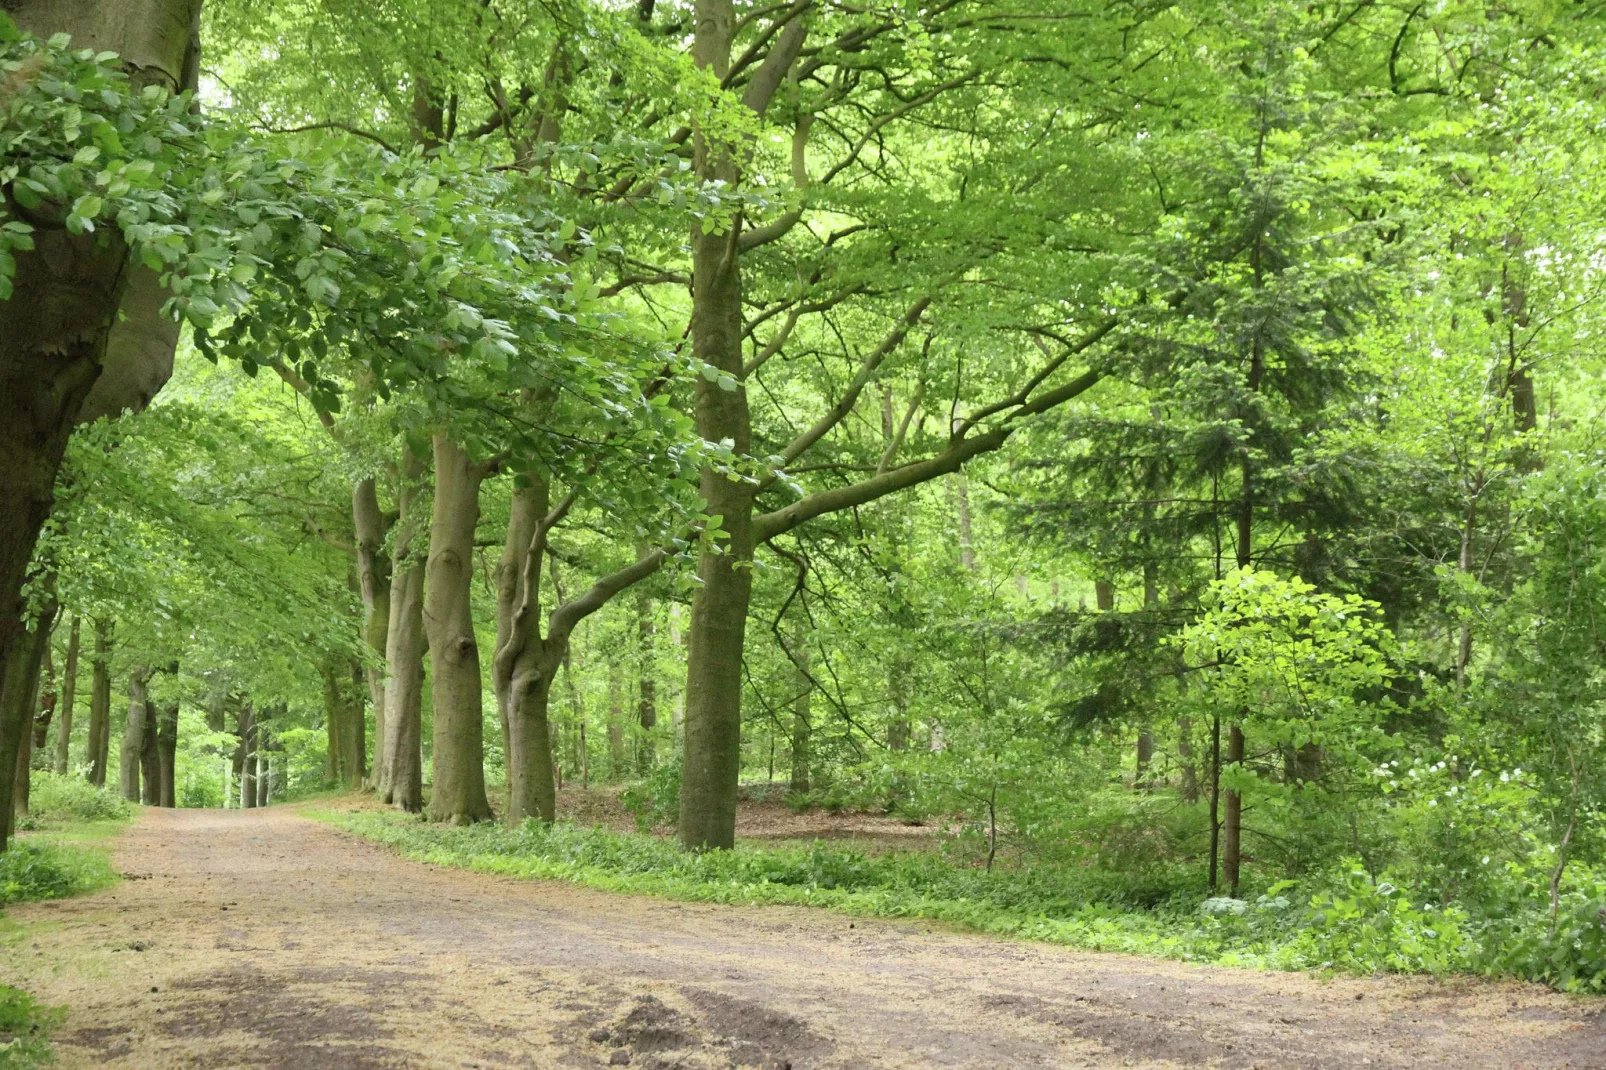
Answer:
(1142, 460)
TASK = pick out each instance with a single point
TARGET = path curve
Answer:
(263, 939)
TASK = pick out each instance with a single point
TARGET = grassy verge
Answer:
(1346, 924)
(62, 849)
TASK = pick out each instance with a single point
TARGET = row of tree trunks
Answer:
(346, 752)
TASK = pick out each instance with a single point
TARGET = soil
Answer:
(263, 939)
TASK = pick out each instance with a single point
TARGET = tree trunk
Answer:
(373, 578)
(458, 765)
(802, 725)
(264, 771)
(401, 776)
(242, 766)
(18, 687)
(356, 742)
(333, 717)
(616, 724)
(65, 355)
(647, 688)
(100, 704)
(524, 665)
(1232, 818)
(150, 762)
(46, 704)
(69, 690)
(967, 548)
(133, 734)
(167, 755)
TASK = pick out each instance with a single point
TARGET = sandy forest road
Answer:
(264, 939)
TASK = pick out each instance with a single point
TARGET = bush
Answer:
(655, 801)
(69, 798)
(42, 870)
(1340, 920)
(25, 1028)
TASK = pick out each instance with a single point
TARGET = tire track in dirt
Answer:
(261, 938)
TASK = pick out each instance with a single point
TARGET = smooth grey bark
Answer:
(133, 745)
(65, 353)
(100, 704)
(400, 775)
(373, 579)
(69, 690)
(458, 759)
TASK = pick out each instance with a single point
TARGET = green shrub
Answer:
(70, 798)
(655, 801)
(32, 870)
(1340, 921)
(25, 1028)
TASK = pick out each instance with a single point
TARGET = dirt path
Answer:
(264, 939)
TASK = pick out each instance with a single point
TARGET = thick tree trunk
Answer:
(133, 734)
(69, 691)
(524, 665)
(719, 608)
(60, 331)
(373, 577)
(167, 755)
(458, 767)
(400, 775)
(100, 704)
(150, 761)
(18, 687)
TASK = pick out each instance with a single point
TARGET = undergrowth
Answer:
(25, 1028)
(1346, 921)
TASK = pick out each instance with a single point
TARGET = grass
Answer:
(62, 850)
(1343, 922)
(1069, 906)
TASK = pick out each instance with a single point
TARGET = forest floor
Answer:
(263, 938)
